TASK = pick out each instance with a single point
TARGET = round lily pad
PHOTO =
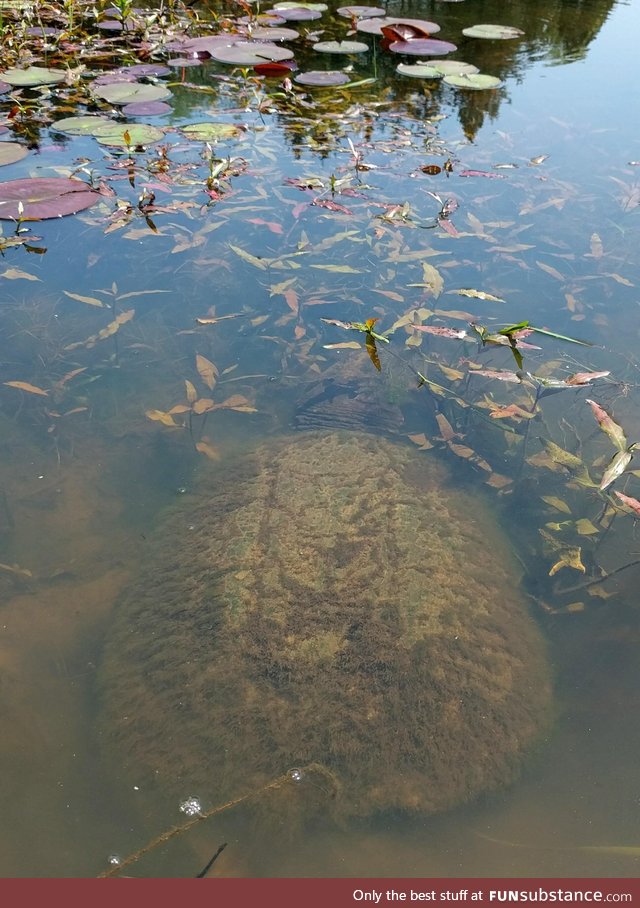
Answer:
(33, 76)
(45, 197)
(146, 109)
(341, 47)
(139, 70)
(138, 134)
(248, 53)
(418, 70)
(297, 14)
(375, 26)
(10, 152)
(360, 12)
(475, 81)
(128, 92)
(449, 67)
(81, 126)
(5, 87)
(291, 4)
(211, 132)
(323, 78)
(418, 46)
(186, 62)
(274, 34)
(501, 32)
(268, 18)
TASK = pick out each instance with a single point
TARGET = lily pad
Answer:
(138, 134)
(10, 152)
(341, 47)
(248, 53)
(322, 78)
(130, 92)
(449, 67)
(5, 87)
(297, 14)
(375, 26)
(45, 197)
(475, 81)
(360, 12)
(146, 109)
(418, 70)
(146, 69)
(418, 46)
(33, 76)
(212, 132)
(81, 126)
(501, 32)
(291, 4)
(274, 34)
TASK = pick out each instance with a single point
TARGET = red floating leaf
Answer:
(44, 197)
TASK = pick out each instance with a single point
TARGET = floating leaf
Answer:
(374, 26)
(419, 46)
(322, 79)
(130, 135)
(33, 76)
(10, 152)
(212, 132)
(252, 259)
(418, 70)
(207, 371)
(583, 378)
(500, 374)
(498, 32)
(248, 53)
(118, 93)
(607, 424)
(39, 198)
(473, 81)
(341, 47)
(478, 294)
(345, 345)
(16, 274)
(89, 300)
(440, 332)
(81, 125)
(25, 386)
(551, 270)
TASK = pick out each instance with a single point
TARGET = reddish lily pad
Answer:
(322, 78)
(45, 197)
(275, 70)
(146, 109)
(248, 53)
(419, 46)
(496, 32)
(297, 14)
(33, 76)
(10, 152)
(341, 47)
(375, 26)
(130, 92)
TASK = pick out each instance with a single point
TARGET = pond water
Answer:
(217, 292)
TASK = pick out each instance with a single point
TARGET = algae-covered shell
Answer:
(327, 599)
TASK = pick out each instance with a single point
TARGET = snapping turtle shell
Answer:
(329, 598)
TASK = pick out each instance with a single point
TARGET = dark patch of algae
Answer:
(328, 599)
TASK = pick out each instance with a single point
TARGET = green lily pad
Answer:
(475, 81)
(139, 134)
(82, 125)
(33, 76)
(418, 70)
(341, 47)
(10, 152)
(501, 32)
(130, 92)
(248, 53)
(212, 132)
(45, 197)
(450, 67)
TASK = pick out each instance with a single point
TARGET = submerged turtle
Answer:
(327, 599)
